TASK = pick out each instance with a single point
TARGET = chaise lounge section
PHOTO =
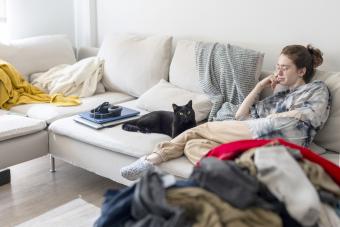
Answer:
(21, 139)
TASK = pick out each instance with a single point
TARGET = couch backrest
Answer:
(135, 63)
(38, 54)
(85, 52)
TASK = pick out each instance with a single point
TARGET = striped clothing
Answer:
(227, 75)
(296, 115)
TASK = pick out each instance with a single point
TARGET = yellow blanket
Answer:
(15, 90)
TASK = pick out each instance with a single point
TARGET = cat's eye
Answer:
(180, 113)
(189, 112)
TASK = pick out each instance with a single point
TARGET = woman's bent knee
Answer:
(195, 149)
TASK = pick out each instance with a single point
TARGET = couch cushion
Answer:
(164, 94)
(3, 112)
(115, 139)
(133, 64)
(50, 112)
(13, 126)
(183, 71)
(329, 135)
(316, 148)
(134, 144)
(38, 54)
(180, 167)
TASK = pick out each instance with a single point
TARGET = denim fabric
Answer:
(328, 198)
(149, 205)
(142, 204)
(337, 208)
(116, 208)
(186, 183)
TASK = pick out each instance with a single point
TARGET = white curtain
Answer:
(3, 21)
(2, 11)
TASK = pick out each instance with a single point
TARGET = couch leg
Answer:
(52, 161)
(5, 177)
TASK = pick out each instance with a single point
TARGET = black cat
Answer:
(165, 122)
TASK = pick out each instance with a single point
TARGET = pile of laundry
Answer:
(243, 183)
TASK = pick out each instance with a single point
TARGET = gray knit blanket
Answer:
(226, 75)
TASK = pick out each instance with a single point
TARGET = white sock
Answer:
(286, 180)
(136, 169)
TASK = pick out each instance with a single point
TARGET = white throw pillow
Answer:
(133, 64)
(164, 94)
(38, 54)
(329, 136)
(183, 72)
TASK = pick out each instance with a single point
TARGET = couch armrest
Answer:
(85, 52)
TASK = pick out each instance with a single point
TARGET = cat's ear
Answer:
(174, 106)
(189, 104)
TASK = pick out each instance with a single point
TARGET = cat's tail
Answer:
(130, 126)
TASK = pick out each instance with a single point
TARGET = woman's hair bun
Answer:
(316, 55)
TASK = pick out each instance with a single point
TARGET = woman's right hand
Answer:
(244, 109)
(269, 81)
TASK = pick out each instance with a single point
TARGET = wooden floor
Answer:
(34, 190)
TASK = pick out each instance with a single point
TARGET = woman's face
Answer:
(287, 72)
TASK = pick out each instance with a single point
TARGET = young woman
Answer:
(295, 114)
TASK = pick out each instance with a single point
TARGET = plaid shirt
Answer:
(295, 115)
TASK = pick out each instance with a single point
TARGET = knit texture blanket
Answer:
(226, 75)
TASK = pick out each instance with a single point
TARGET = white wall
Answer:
(40, 17)
(265, 25)
(85, 23)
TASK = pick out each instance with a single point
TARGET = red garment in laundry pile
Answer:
(230, 151)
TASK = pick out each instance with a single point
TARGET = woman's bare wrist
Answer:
(259, 87)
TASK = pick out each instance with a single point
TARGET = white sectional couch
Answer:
(51, 129)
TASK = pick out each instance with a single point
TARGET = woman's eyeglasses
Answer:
(282, 67)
